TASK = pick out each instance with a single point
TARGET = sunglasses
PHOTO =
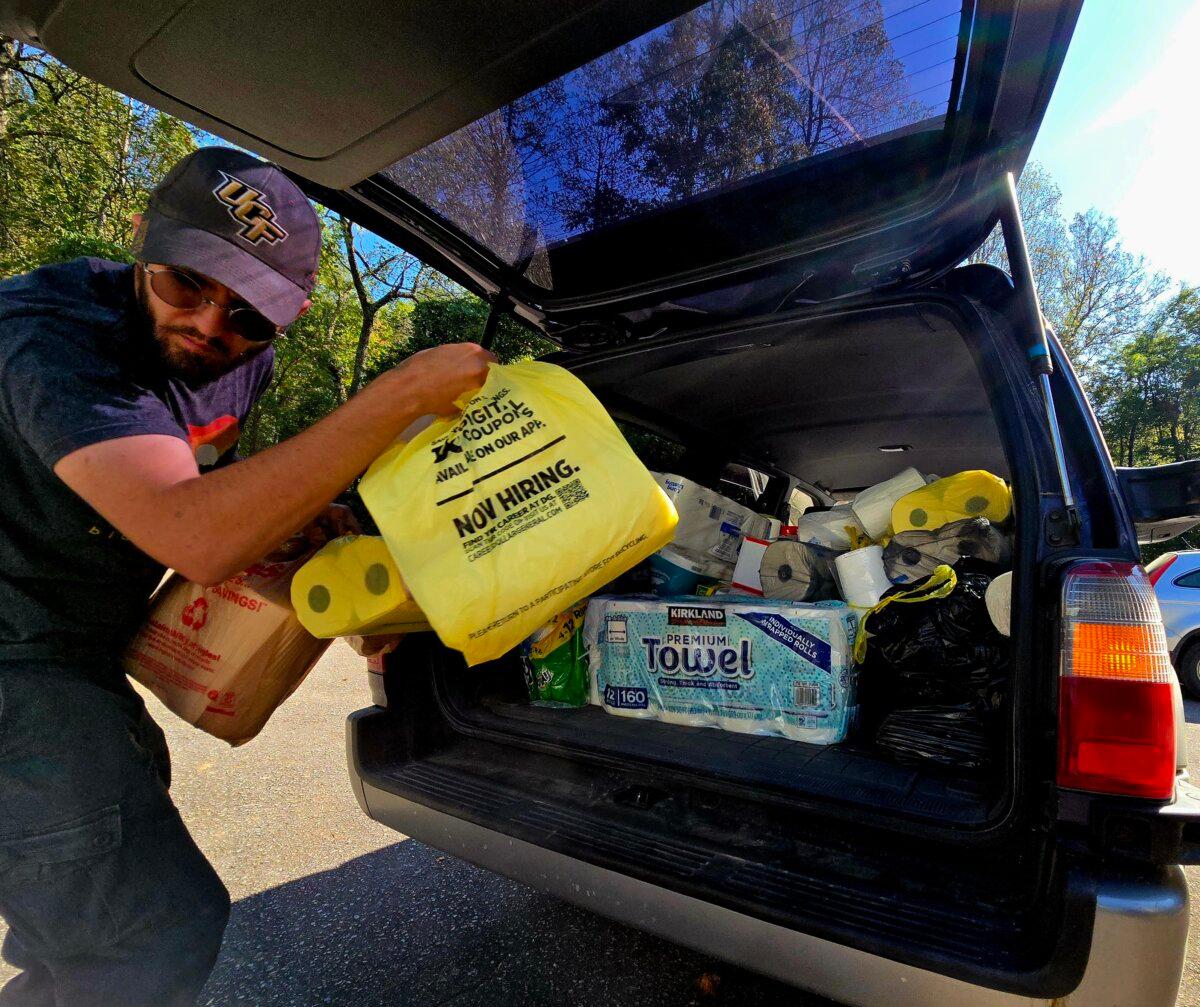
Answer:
(182, 291)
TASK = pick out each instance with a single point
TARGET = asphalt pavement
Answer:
(331, 908)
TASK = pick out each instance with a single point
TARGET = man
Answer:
(121, 393)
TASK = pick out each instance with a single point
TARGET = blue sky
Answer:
(1123, 129)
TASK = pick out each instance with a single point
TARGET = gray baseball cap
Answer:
(240, 221)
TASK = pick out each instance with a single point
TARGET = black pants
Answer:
(107, 898)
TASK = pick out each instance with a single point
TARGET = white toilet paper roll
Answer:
(998, 599)
(795, 571)
(873, 506)
(862, 576)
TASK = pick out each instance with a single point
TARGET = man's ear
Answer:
(137, 220)
(307, 304)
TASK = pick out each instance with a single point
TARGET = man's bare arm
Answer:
(210, 526)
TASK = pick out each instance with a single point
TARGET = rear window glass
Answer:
(730, 91)
(1189, 579)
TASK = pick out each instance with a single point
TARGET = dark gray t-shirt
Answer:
(76, 369)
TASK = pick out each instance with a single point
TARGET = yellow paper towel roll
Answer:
(352, 587)
(378, 587)
(966, 494)
(323, 598)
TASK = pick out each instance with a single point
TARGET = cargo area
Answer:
(833, 834)
(791, 434)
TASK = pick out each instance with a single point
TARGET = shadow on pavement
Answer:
(1191, 711)
(408, 925)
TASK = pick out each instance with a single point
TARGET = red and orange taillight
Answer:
(1116, 715)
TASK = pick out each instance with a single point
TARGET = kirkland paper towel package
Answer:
(746, 664)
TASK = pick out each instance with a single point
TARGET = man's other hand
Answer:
(337, 520)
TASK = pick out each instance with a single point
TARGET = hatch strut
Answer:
(1035, 324)
(501, 304)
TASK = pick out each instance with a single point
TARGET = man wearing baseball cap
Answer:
(122, 390)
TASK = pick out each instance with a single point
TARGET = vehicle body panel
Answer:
(1178, 592)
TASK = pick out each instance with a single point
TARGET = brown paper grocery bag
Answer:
(224, 658)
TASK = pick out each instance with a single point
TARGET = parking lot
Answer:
(330, 908)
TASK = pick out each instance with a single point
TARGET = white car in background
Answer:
(1176, 580)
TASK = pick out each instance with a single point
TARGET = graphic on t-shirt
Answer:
(213, 439)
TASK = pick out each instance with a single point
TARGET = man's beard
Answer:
(193, 368)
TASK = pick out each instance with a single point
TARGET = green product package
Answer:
(555, 661)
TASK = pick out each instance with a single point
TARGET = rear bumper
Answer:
(1136, 957)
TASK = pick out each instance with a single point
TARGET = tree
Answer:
(330, 352)
(381, 275)
(435, 321)
(492, 177)
(1148, 396)
(736, 88)
(1104, 293)
(77, 160)
(1094, 292)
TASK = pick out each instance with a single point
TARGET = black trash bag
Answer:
(936, 676)
(954, 737)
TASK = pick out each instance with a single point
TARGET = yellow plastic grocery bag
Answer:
(509, 513)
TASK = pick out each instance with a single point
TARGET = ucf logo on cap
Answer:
(247, 206)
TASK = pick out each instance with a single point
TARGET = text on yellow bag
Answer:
(501, 517)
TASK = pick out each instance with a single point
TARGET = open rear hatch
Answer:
(596, 165)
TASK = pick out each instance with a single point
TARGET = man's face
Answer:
(198, 344)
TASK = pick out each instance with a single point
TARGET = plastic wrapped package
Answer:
(747, 665)
(797, 571)
(911, 555)
(975, 493)
(672, 572)
(555, 661)
(937, 675)
(873, 506)
(829, 529)
(711, 526)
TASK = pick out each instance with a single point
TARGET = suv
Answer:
(743, 222)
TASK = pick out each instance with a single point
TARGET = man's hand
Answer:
(440, 376)
(334, 522)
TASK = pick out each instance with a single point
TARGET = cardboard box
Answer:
(225, 658)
